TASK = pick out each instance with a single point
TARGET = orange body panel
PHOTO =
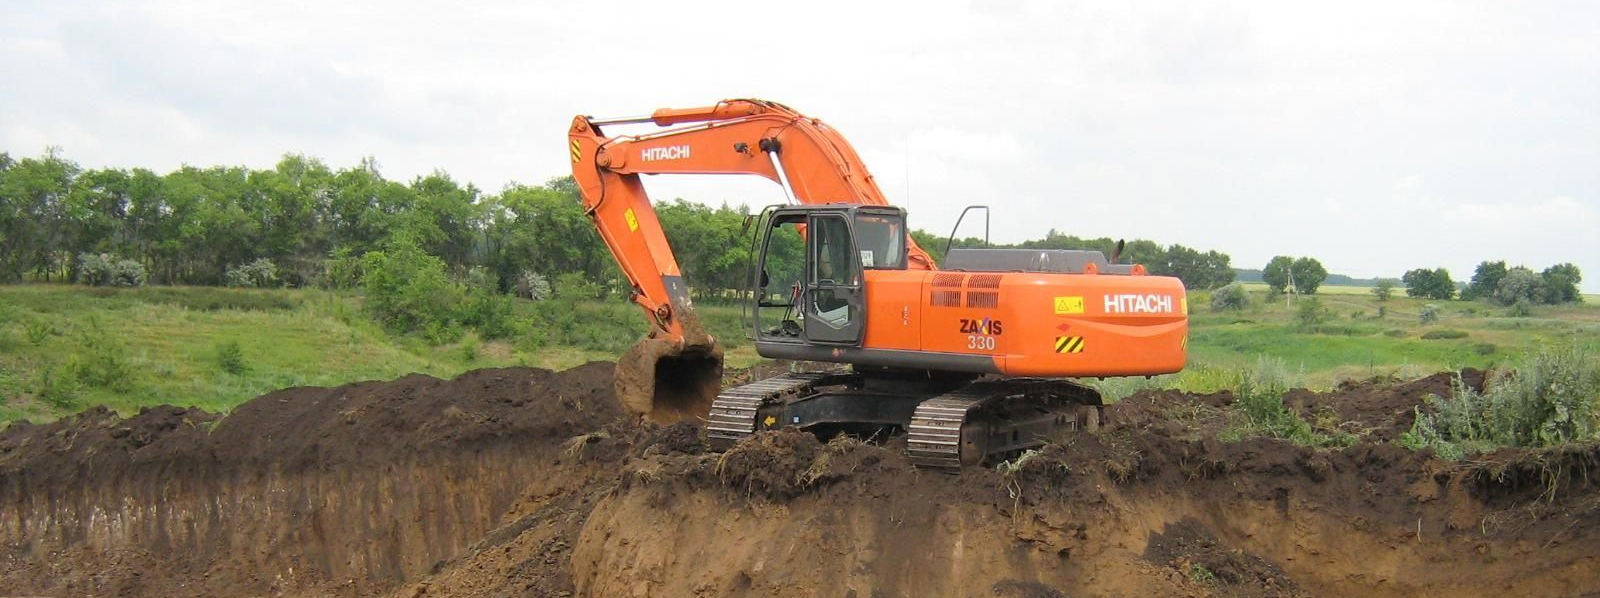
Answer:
(1033, 324)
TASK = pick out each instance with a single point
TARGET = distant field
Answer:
(64, 348)
(1261, 287)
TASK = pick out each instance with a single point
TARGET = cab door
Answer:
(835, 300)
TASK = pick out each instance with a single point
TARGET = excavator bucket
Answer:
(665, 381)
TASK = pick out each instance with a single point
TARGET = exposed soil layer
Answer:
(524, 482)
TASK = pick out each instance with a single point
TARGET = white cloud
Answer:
(1376, 136)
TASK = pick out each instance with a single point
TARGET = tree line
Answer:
(1497, 283)
(311, 224)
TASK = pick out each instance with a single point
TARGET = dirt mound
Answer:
(349, 488)
(532, 483)
(1381, 408)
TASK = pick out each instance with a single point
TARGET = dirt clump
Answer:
(1189, 548)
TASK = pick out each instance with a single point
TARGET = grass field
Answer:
(63, 348)
(1261, 287)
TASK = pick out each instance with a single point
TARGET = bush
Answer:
(57, 390)
(489, 311)
(230, 358)
(103, 363)
(533, 285)
(342, 270)
(407, 291)
(1433, 335)
(38, 330)
(1310, 313)
(1552, 397)
(1429, 314)
(1484, 348)
(259, 274)
(104, 270)
(1521, 309)
(1230, 297)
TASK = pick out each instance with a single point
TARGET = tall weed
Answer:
(1551, 397)
(1260, 410)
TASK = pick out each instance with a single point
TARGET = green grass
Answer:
(63, 348)
(1261, 287)
(1356, 342)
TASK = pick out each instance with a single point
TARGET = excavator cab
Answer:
(809, 285)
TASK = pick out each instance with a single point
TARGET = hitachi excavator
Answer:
(969, 359)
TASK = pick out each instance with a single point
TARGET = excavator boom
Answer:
(810, 160)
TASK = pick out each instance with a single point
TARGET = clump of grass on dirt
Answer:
(1260, 411)
(1550, 398)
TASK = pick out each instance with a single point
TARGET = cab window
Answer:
(881, 239)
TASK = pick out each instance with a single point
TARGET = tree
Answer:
(1561, 283)
(1197, 270)
(1276, 274)
(1485, 280)
(1383, 288)
(1429, 284)
(1308, 275)
(1520, 284)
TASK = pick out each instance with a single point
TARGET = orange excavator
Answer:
(970, 359)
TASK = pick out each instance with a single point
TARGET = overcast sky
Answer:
(1377, 137)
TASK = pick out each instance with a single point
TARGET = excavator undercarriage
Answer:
(949, 421)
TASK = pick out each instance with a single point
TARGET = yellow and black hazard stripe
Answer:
(577, 153)
(1069, 344)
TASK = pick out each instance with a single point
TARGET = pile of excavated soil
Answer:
(525, 482)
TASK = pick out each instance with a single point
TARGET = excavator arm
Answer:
(810, 160)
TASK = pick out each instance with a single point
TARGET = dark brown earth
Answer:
(525, 482)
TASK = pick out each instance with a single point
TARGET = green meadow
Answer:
(64, 348)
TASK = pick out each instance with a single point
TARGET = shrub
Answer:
(103, 362)
(57, 390)
(1429, 314)
(1311, 312)
(230, 357)
(407, 291)
(1484, 348)
(1433, 335)
(576, 286)
(104, 270)
(38, 330)
(1552, 397)
(1230, 297)
(259, 274)
(342, 270)
(1521, 309)
(533, 285)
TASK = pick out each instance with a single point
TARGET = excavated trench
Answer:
(524, 482)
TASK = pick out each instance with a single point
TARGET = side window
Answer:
(832, 259)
